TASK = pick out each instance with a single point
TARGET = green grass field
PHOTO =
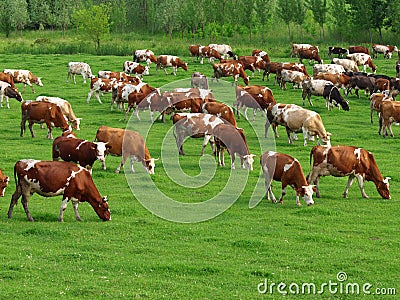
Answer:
(140, 255)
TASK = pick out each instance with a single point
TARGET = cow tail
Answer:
(311, 158)
(15, 177)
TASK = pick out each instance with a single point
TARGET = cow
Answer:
(362, 59)
(199, 80)
(136, 97)
(234, 141)
(389, 113)
(221, 110)
(253, 63)
(296, 48)
(8, 78)
(362, 83)
(231, 68)
(341, 161)
(375, 101)
(325, 88)
(66, 109)
(382, 84)
(295, 119)
(100, 85)
(194, 51)
(340, 52)
(295, 77)
(348, 64)
(43, 112)
(253, 96)
(386, 50)
(24, 76)
(79, 151)
(262, 54)
(270, 67)
(311, 54)
(328, 68)
(164, 61)
(358, 49)
(286, 169)
(224, 50)
(144, 55)
(131, 67)
(339, 80)
(121, 92)
(120, 76)
(7, 91)
(79, 68)
(154, 102)
(194, 125)
(128, 144)
(4, 180)
(53, 178)
(210, 53)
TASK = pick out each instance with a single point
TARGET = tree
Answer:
(285, 11)
(319, 9)
(340, 13)
(264, 14)
(93, 22)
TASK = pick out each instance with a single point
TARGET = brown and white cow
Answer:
(120, 76)
(389, 113)
(230, 68)
(262, 54)
(53, 178)
(194, 51)
(66, 109)
(375, 101)
(253, 63)
(234, 141)
(136, 97)
(24, 76)
(79, 68)
(297, 47)
(144, 55)
(128, 144)
(43, 112)
(348, 64)
(80, 151)
(224, 49)
(221, 110)
(199, 80)
(386, 50)
(328, 68)
(8, 78)
(210, 53)
(7, 91)
(358, 49)
(286, 169)
(339, 80)
(164, 61)
(311, 54)
(341, 161)
(295, 77)
(4, 180)
(121, 92)
(289, 66)
(363, 59)
(131, 67)
(154, 102)
(296, 119)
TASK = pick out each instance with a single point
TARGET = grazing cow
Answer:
(79, 151)
(8, 78)
(224, 50)
(53, 178)
(185, 99)
(253, 63)
(295, 77)
(389, 113)
(194, 51)
(362, 83)
(262, 54)
(144, 55)
(296, 48)
(154, 102)
(295, 119)
(232, 68)
(328, 68)
(131, 67)
(199, 80)
(341, 161)
(7, 91)
(338, 51)
(210, 53)
(339, 80)
(358, 49)
(43, 112)
(253, 96)
(311, 54)
(136, 97)
(375, 101)
(271, 67)
(234, 141)
(120, 76)
(24, 76)
(101, 85)
(221, 110)
(286, 169)
(194, 125)
(3, 183)
(325, 88)
(164, 61)
(363, 59)
(79, 68)
(381, 85)
(128, 144)
(66, 109)
(121, 92)
(348, 64)
(386, 50)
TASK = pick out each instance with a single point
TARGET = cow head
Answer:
(383, 188)
(39, 81)
(13, 93)
(101, 150)
(184, 66)
(306, 193)
(76, 123)
(150, 165)
(146, 71)
(102, 209)
(247, 161)
(3, 183)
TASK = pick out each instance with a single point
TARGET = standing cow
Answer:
(164, 61)
(24, 76)
(79, 68)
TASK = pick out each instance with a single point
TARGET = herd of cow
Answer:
(196, 113)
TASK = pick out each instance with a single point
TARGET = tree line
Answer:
(341, 19)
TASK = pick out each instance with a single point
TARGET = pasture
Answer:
(140, 255)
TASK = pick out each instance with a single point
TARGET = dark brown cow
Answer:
(53, 178)
(185, 99)
(271, 67)
(7, 91)
(389, 113)
(381, 85)
(286, 169)
(230, 68)
(194, 51)
(3, 183)
(358, 49)
(164, 61)
(43, 112)
(365, 83)
(79, 151)
(311, 54)
(234, 141)
(128, 144)
(221, 110)
(340, 161)
(337, 50)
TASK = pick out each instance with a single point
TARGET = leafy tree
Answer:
(39, 13)
(18, 14)
(319, 9)
(264, 14)
(340, 14)
(380, 10)
(94, 22)
(285, 11)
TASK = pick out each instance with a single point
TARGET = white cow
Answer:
(79, 68)
(328, 68)
(348, 64)
(223, 49)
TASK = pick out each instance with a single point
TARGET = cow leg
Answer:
(49, 132)
(348, 185)
(63, 207)
(14, 199)
(245, 113)
(390, 129)
(24, 201)
(288, 131)
(254, 114)
(232, 159)
(305, 134)
(207, 138)
(283, 193)
(132, 162)
(360, 180)
(298, 199)
(22, 127)
(84, 77)
(75, 204)
(97, 95)
(179, 143)
(103, 165)
(123, 160)
(31, 129)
